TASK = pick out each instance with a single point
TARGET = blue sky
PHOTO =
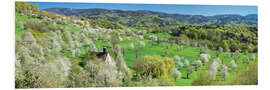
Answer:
(206, 10)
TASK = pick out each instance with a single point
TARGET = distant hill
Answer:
(252, 16)
(144, 18)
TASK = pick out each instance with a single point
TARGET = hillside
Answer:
(144, 18)
(59, 51)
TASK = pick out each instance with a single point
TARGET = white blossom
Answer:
(212, 70)
(217, 60)
(224, 71)
(215, 64)
(205, 57)
(120, 38)
(73, 52)
(28, 37)
(176, 58)
(253, 57)
(36, 50)
(77, 52)
(142, 43)
(227, 53)
(141, 37)
(128, 38)
(152, 37)
(233, 64)
(109, 37)
(68, 38)
(220, 49)
(178, 47)
(180, 64)
(132, 45)
(87, 41)
(186, 62)
(107, 75)
(176, 74)
(64, 64)
(198, 63)
(21, 25)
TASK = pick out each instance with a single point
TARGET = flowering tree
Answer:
(176, 74)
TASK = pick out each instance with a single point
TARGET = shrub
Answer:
(88, 57)
(79, 78)
(147, 81)
(41, 26)
(202, 79)
(36, 77)
(36, 34)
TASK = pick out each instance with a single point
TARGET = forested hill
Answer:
(144, 18)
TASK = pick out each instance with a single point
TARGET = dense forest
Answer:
(55, 49)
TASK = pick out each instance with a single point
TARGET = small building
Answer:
(105, 56)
